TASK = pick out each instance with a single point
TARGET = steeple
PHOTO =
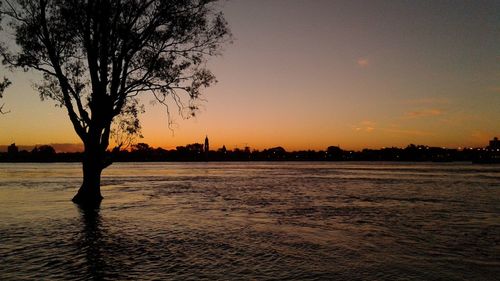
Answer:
(207, 148)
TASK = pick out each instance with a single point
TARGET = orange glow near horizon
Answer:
(308, 75)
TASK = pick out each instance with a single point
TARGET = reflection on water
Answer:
(229, 221)
(91, 242)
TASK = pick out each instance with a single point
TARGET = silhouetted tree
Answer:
(5, 83)
(97, 56)
(126, 127)
(334, 153)
(43, 153)
(142, 147)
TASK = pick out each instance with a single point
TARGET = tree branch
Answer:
(62, 79)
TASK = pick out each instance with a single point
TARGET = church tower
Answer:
(206, 148)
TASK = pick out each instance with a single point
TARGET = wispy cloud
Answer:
(495, 89)
(427, 101)
(408, 132)
(363, 62)
(483, 135)
(424, 113)
(461, 118)
(370, 126)
(365, 126)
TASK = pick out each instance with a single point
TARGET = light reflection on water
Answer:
(229, 221)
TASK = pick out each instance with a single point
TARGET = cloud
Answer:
(461, 118)
(424, 113)
(363, 62)
(407, 132)
(495, 89)
(427, 101)
(483, 136)
(392, 130)
(370, 126)
(365, 126)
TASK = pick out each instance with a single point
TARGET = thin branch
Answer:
(1, 109)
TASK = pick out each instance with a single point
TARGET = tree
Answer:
(5, 83)
(142, 147)
(97, 56)
(43, 153)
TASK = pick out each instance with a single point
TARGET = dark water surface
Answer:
(258, 221)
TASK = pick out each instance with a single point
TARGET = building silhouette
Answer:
(206, 148)
(201, 152)
(494, 144)
(12, 149)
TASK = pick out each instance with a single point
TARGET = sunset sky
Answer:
(309, 74)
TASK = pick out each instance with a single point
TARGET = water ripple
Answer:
(253, 221)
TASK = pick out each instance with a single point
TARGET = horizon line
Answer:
(78, 147)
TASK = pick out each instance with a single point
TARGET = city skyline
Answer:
(72, 147)
(307, 75)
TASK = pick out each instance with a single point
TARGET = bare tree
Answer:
(98, 56)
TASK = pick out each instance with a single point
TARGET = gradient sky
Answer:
(309, 74)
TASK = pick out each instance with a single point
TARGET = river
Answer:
(253, 221)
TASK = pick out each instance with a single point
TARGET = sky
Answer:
(310, 74)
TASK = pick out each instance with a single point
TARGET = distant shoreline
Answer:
(201, 153)
(263, 161)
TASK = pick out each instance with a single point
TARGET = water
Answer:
(257, 221)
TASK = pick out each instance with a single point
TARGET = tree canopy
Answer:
(97, 56)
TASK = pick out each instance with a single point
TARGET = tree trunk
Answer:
(89, 194)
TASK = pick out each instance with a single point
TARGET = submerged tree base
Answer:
(86, 200)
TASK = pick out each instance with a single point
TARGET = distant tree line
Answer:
(142, 152)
